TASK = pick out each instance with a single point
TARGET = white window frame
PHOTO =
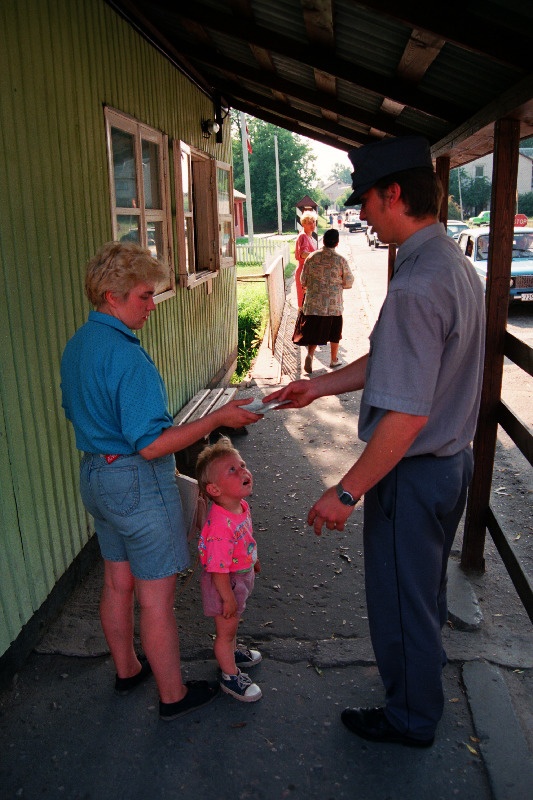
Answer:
(162, 216)
(202, 244)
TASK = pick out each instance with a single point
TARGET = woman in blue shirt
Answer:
(117, 402)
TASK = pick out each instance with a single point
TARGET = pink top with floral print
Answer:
(226, 543)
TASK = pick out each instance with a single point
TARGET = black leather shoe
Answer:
(125, 685)
(372, 724)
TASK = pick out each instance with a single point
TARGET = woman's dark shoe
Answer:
(372, 724)
(125, 685)
(199, 693)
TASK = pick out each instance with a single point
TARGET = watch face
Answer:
(345, 497)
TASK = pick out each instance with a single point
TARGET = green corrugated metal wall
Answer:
(61, 61)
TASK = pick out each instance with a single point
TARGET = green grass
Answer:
(252, 305)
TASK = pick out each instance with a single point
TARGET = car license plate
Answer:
(527, 297)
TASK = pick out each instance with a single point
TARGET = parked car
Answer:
(475, 245)
(352, 221)
(372, 238)
(481, 219)
(454, 228)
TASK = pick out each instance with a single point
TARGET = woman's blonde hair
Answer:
(119, 266)
(208, 456)
(308, 215)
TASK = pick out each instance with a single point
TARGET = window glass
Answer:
(124, 169)
(155, 237)
(223, 191)
(226, 230)
(150, 166)
(186, 180)
(128, 228)
(189, 246)
(483, 248)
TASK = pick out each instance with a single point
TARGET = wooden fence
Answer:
(272, 257)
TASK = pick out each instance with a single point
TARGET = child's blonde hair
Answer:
(208, 456)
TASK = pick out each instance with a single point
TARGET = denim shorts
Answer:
(137, 513)
(241, 583)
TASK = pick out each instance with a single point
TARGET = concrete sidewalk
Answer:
(64, 734)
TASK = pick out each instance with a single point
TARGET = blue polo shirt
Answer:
(112, 391)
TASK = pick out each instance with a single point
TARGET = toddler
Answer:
(228, 554)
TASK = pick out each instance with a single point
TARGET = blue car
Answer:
(475, 245)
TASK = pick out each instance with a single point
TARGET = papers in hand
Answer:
(258, 407)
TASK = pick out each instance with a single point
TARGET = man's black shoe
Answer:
(372, 724)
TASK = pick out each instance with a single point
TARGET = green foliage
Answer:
(297, 176)
(525, 204)
(341, 172)
(454, 212)
(321, 198)
(475, 192)
(252, 305)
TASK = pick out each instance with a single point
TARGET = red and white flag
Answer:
(248, 140)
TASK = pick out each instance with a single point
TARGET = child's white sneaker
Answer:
(241, 687)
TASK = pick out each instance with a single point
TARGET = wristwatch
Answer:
(345, 497)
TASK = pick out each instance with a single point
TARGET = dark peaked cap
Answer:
(379, 159)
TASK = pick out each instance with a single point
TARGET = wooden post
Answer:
(504, 177)
(442, 168)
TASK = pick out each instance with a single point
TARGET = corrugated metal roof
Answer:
(345, 72)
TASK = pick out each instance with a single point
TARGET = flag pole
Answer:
(249, 216)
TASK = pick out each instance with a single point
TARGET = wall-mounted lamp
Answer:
(209, 127)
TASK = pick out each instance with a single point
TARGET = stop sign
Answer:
(520, 220)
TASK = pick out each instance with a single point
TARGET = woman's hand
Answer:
(235, 415)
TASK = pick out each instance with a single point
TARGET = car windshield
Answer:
(523, 245)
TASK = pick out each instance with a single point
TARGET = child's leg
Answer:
(225, 643)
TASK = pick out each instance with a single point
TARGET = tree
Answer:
(342, 173)
(341, 200)
(525, 204)
(297, 176)
(474, 195)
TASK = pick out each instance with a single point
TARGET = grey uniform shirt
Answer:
(427, 346)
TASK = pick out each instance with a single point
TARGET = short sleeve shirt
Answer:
(426, 349)
(112, 391)
(226, 543)
(325, 275)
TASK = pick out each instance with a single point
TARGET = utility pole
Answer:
(249, 216)
(280, 228)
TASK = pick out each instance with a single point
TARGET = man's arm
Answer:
(391, 440)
